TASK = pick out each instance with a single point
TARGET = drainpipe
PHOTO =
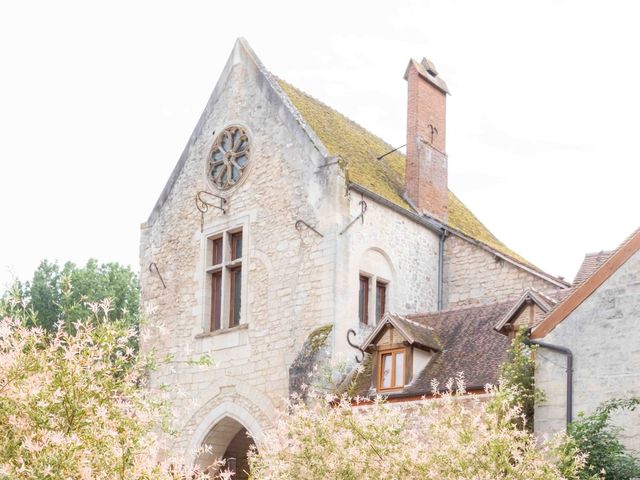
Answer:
(569, 355)
(443, 235)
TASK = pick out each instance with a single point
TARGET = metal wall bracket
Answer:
(154, 266)
(363, 208)
(352, 332)
(301, 223)
(204, 201)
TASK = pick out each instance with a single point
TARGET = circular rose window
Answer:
(228, 158)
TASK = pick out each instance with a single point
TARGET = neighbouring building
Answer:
(288, 235)
(598, 325)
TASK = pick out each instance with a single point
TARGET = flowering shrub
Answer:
(73, 406)
(452, 437)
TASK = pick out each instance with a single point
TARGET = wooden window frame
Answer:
(233, 271)
(220, 277)
(393, 352)
(363, 316)
(381, 285)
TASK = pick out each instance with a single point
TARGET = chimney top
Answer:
(429, 66)
(427, 70)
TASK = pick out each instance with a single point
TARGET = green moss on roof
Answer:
(359, 148)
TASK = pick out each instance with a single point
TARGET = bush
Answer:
(451, 437)
(73, 404)
(595, 436)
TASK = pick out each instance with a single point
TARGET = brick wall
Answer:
(426, 175)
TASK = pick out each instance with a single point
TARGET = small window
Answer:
(381, 299)
(235, 291)
(391, 369)
(224, 271)
(216, 300)
(363, 300)
(217, 251)
(236, 245)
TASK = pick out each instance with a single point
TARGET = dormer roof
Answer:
(467, 342)
(413, 333)
(530, 295)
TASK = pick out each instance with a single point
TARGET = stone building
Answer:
(287, 233)
(596, 325)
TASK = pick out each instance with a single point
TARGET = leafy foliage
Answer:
(74, 404)
(517, 377)
(62, 294)
(451, 437)
(595, 436)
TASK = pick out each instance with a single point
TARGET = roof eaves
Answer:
(431, 223)
(508, 258)
(564, 308)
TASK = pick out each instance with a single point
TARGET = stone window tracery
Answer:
(229, 157)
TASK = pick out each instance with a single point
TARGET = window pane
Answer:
(216, 300)
(217, 251)
(236, 246)
(381, 299)
(399, 370)
(363, 300)
(235, 300)
(386, 371)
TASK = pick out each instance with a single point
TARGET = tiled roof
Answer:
(413, 332)
(590, 264)
(469, 345)
(360, 148)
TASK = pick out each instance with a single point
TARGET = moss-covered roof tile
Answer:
(360, 148)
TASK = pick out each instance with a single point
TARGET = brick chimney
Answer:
(426, 171)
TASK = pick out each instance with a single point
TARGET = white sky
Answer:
(97, 100)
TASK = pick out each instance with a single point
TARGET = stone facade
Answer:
(473, 275)
(604, 337)
(295, 280)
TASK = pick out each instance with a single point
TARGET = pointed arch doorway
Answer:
(230, 441)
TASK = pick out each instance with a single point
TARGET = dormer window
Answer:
(391, 372)
(401, 349)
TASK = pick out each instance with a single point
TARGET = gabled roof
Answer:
(414, 333)
(469, 344)
(332, 134)
(583, 291)
(360, 149)
(544, 302)
(590, 264)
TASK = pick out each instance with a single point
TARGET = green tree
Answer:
(63, 293)
(595, 436)
(517, 377)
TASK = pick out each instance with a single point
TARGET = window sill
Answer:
(215, 333)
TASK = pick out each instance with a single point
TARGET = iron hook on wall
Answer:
(203, 204)
(363, 208)
(154, 266)
(301, 223)
(351, 332)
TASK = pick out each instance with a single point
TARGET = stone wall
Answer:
(389, 245)
(604, 337)
(294, 280)
(473, 275)
(288, 274)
